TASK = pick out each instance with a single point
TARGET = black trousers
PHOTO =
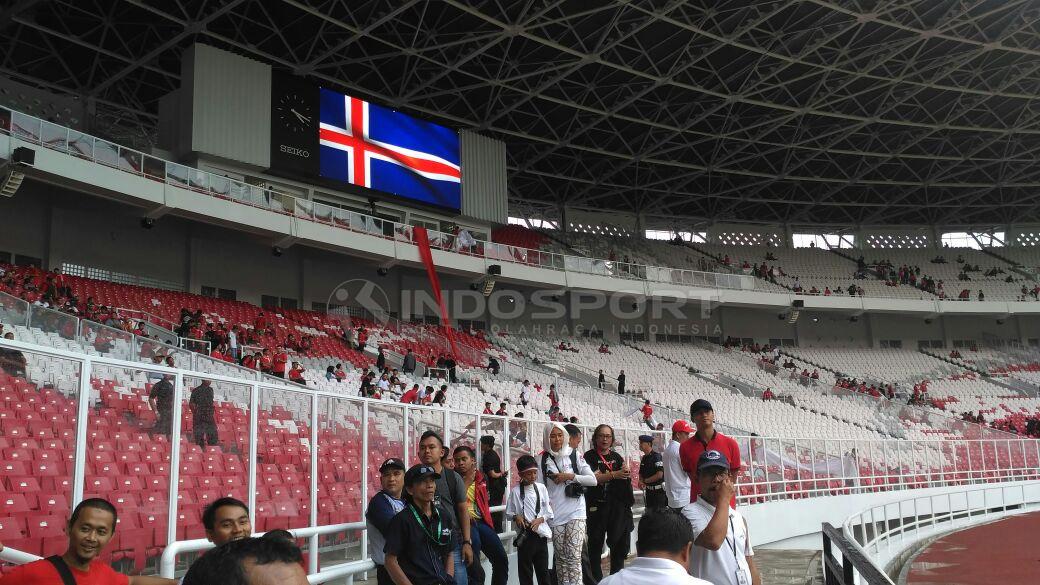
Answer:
(205, 432)
(532, 560)
(656, 498)
(611, 521)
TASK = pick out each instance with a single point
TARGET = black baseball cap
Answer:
(391, 463)
(712, 458)
(419, 472)
(646, 438)
(699, 405)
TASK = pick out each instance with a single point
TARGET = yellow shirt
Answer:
(471, 497)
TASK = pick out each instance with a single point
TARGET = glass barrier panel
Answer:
(154, 168)
(25, 127)
(214, 449)
(128, 450)
(54, 136)
(283, 460)
(463, 430)
(210, 365)
(342, 470)
(198, 180)
(80, 144)
(13, 310)
(421, 420)
(238, 191)
(220, 185)
(341, 465)
(38, 428)
(54, 324)
(154, 351)
(106, 153)
(130, 161)
(106, 341)
(177, 174)
(385, 436)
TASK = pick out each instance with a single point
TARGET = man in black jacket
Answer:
(609, 503)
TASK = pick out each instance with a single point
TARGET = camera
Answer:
(574, 490)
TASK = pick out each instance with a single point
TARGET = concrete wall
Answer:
(63, 225)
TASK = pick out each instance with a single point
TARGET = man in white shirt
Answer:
(663, 547)
(722, 552)
(676, 480)
(525, 393)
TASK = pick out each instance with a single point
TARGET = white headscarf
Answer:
(565, 451)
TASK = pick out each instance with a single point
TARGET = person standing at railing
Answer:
(420, 539)
(676, 480)
(451, 494)
(160, 398)
(408, 364)
(566, 477)
(381, 510)
(204, 424)
(482, 529)
(705, 439)
(621, 382)
(530, 509)
(602, 380)
(722, 552)
(651, 474)
(491, 467)
(609, 503)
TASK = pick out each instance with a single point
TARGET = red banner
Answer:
(422, 240)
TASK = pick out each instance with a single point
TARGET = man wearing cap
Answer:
(676, 480)
(722, 552)
(530, 509)
(651, 474)
(419, 539)
(381, 510)
(707, 439)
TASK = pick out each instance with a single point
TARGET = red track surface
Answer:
(1003, 552)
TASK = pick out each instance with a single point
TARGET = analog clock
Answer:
(294, 113)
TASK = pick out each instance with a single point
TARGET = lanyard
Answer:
(605, 462)
(436, 539)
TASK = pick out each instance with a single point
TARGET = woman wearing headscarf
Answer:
(566, 475)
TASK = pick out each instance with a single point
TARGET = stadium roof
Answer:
(837, 112)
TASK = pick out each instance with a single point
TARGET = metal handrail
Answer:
(853, 561)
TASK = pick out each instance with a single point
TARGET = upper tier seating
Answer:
(887, 365)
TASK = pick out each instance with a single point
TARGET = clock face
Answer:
(294, 113)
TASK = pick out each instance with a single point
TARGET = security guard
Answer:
(651, 474)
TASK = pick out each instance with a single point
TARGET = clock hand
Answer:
(301, 117)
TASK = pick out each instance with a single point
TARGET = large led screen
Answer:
(372, 146)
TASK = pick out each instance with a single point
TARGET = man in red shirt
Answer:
(706, 439)
(90, 528)
(648, 414)
(280, 363)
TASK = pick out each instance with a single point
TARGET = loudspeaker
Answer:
(276, 251)
(23, 155)
(798, 303)
(495, 270)
(382, 271)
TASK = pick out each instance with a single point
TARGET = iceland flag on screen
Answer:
(375, 147)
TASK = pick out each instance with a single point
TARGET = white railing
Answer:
(775, 468)
(33, 130)
(883, 533)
